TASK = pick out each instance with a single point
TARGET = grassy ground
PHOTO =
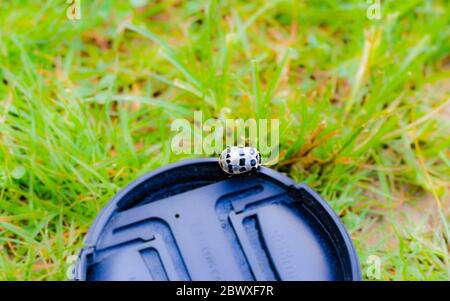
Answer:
(86, 107)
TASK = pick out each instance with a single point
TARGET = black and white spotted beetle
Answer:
(237, 160)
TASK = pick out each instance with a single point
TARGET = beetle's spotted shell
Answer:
(237, 160)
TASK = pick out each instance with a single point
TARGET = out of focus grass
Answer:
(86, 107)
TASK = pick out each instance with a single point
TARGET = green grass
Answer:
(86, 107)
